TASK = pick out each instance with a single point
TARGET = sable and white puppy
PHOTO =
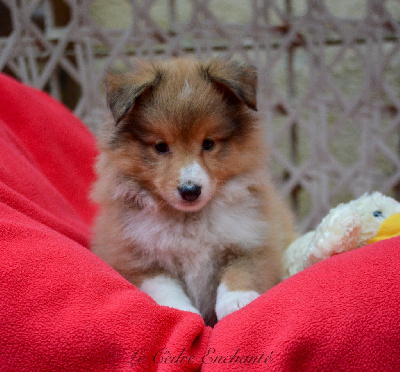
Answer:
(188, 212)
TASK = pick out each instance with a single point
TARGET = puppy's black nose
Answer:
(190, 192)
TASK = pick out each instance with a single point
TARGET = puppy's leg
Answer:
(167, 291)
(229, 300)
(243, 280)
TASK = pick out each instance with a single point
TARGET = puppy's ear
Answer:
(124, 89)
(234, 78)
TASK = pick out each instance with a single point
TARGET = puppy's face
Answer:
(183, 128)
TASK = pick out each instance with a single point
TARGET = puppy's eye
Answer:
(161, 147)
(378, 214)
(208, 144)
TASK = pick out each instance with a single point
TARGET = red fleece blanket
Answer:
(62, 308)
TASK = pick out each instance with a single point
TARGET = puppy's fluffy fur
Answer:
(188, 211)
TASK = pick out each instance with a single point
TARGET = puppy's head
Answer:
(182, 128)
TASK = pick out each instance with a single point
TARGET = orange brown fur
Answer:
(182, 103)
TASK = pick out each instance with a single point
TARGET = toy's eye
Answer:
(208, 144)
(161, 147)
(378, 214)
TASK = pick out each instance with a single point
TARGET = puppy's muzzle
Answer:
(189, 192)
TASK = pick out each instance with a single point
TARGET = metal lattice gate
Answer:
(329, 75)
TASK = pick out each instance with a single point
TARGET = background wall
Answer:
(329, 75)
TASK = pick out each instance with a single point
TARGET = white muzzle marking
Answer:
(193, 175)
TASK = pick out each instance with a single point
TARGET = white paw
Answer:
(167, 291)
(183, 305)
(230, 301)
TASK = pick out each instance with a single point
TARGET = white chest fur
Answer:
(190, 244)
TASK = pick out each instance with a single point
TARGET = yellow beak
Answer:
(389, 229)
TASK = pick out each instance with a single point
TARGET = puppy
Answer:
(188, 211)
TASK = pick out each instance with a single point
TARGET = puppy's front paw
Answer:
(230, 301)
(167, 291)
(183, 305)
